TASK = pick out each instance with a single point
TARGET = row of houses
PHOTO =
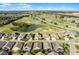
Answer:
(33, 36)
(67, 17)
(27, 46)
(71, 19)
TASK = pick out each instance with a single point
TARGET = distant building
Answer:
(71, 19)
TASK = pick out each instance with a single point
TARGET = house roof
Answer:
(37, 35)
(45, 36)
(29, 44)
(57, 45)
(10, 44)
(53, 35)
(28, 36)
(21, 35)
(2, 43)
(15, 35)
(47, 45)
(60, 34)
(19, 45)
(37, 45)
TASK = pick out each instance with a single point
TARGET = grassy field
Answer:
(41, 28)
(38, 27)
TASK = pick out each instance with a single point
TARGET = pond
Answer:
(30, 28)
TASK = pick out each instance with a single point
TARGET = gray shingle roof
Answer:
(29, 44)
(37, 35)
(29, 36)
(37, 45)
(57, 45)
(21, 35)
(19, 45)
(45, 36)
(10, 44)
(2, 43)
(15, 35)
(47, 45)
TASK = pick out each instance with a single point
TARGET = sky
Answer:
(39, 6)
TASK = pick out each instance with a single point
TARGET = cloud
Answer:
(24, 6)
(5, 4)
(62, 8)
(15, 6)
(43, 8)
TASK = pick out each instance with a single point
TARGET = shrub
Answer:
(45, 51)
(14, 28)
(61, 38)
(67, 26)
(21, 52)
(24, 39)
(10, 52)
(55, 23)
(77, 46)
(34, 51)
(66, 49)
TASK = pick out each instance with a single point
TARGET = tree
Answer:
(67, 26)
(43, 18)
(55, 23)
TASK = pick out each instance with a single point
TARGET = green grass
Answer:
(77, 46)
(66, 49)
(41, 28)
(62, 23)
(34, 51)
(24, 39)
(60, 38)
(8, 38)
(21, 52)
(45, 51)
